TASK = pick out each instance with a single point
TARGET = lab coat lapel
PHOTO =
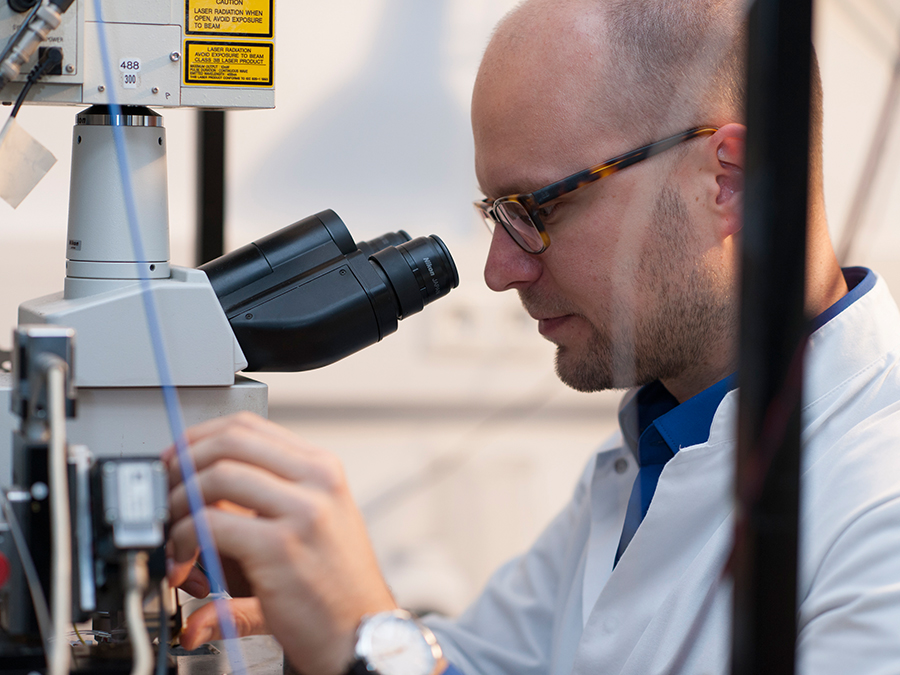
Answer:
(669, 568)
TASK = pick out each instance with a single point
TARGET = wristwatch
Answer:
(396, 643)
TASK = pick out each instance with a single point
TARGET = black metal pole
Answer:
(772, 337)
(210, 185)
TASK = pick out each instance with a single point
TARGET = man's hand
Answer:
(203, 624)
(282, 511)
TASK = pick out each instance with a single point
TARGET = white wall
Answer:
(372, 120)
(857, 44)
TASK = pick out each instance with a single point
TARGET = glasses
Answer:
(520, 216)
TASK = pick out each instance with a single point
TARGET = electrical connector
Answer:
(135, 507)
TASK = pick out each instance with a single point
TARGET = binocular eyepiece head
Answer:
(308, 295)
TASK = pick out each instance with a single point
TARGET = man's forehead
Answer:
(520, 168)
(549, 55)
(519, 158)
(548, 38)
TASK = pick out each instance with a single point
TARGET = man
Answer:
(631, 270)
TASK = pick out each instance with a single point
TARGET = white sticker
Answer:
(131, 72)
(135, 492)
(23, 162)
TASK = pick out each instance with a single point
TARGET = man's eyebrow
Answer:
(524, 185)
(504, 192)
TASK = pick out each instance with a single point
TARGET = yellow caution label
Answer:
(239, 18)
(240, 64)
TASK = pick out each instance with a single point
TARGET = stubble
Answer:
(690, 311)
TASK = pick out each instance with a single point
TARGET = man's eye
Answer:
(548, 211)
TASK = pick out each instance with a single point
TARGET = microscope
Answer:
(98, 367)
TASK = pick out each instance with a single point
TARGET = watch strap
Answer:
(359, 667)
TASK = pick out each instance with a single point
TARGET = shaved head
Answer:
(678, 61)
(646, 68)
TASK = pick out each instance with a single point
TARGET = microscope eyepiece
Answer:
(420, 271)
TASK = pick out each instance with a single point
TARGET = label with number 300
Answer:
(131, 72)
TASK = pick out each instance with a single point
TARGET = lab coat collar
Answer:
(690, 423)
(850, 342)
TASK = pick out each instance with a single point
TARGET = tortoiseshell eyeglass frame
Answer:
(531, 201)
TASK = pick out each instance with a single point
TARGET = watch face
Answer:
(394, 645)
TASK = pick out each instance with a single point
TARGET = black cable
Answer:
(50, 58)
(162, 658)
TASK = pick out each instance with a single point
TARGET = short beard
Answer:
(693, 312)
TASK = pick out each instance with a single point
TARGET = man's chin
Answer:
(584, 374)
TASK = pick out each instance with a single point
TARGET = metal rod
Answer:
(210, 185)
(772, 337)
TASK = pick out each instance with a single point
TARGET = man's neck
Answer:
(689, 385)
(825, 285)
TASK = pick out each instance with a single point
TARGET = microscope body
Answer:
(164, 54)
(117, 250)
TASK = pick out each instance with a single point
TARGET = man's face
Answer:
(626, 290)
(645, 319)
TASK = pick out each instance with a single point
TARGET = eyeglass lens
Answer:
(519, 225)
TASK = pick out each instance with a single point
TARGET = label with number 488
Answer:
(131, 72)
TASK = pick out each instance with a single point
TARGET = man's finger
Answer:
(196, 583)
(178, 572)
(203, 625)
(253, 490)
(230, 532)
(222, 425)
(289, 458)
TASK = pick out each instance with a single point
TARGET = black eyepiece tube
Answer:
(372, 246)
(304, 245)
(307, 296)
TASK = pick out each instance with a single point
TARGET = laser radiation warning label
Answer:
(238, 18)
(242, 64)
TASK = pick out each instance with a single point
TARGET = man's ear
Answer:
(729, 144)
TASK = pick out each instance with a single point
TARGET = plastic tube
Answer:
(61, 526)
(136, 572)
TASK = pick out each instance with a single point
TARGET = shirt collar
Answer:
(689, 423)
(860, 280)
(680, 426)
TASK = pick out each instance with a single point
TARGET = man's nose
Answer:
(508, 266)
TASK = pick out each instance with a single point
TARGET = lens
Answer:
(431, 264)
(518, 223)
(419, 272)
(389, 239)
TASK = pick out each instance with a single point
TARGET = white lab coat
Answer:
(666, 608)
